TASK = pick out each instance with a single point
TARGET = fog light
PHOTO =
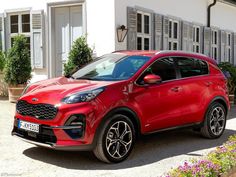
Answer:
(75, 126)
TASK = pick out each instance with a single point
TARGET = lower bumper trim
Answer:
(54, 146)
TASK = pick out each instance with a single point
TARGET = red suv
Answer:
(105, 105)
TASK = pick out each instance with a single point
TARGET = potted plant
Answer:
(3, 86)
(17, 70)
(79, 55)
(230, 72)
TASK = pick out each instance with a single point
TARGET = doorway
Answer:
(68, 26)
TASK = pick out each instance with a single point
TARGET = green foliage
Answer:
(217, 163)
(227, 67)
(79, 55)
(17, 69)
(2, 60)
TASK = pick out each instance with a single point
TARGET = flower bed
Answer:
(220, 162)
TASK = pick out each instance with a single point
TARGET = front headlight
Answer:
(82, 96)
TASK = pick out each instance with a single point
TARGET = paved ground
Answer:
(153, 155)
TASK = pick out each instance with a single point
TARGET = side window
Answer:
(189, 67)
(165, 68)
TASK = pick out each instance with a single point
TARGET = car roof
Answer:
(152, 53)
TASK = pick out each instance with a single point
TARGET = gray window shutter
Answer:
(207, 41)
(2, 33)
(165, 33)
(234, 48)
(201, 39)
(191, 31)
(158, 31)
(37, 39)
(222, 46)
(187, 36)
(218, 45)
(185, 39)
(152, 26)
(132, 28)
(180, 35)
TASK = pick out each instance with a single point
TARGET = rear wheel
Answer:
(215, 121)
(116, 139)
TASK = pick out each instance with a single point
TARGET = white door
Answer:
(68, 27)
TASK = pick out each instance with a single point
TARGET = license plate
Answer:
(28, 126)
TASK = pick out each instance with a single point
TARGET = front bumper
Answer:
(54, 137)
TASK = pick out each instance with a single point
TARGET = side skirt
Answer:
(198, 124)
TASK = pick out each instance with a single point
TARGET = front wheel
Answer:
(215, 121)
(116, 139)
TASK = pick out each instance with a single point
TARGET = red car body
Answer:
(177, 103)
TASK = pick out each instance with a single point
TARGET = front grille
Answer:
(45, 135)
(39, 111)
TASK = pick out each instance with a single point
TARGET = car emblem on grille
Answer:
(34, 99)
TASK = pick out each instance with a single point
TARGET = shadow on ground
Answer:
(148, 150)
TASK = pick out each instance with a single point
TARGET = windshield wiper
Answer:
(84, 78)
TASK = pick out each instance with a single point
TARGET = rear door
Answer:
(195, 81)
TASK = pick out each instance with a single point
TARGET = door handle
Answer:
(175, 89)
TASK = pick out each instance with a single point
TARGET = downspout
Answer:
(209, 13)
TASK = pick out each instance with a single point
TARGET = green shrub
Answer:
(79, 55)
(2, 60)
(227, 67)
(17, 69)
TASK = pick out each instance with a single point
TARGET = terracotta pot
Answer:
(15, 92)
(231, 98)
(3, 86)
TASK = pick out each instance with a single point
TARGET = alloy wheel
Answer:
(217, 121)
(119, 139)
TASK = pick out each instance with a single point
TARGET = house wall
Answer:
(101, 26)
(222, 16)
(98, 26)
(104, 16)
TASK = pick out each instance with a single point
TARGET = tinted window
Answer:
(164, 68)
(191, 67)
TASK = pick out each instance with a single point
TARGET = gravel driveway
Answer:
(152, 156)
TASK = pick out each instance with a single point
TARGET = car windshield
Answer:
(111, 67)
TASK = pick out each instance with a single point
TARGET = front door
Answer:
(68, 27)
(160, 103)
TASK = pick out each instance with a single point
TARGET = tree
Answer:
(2, 60)
(79, 55)
(18, 67)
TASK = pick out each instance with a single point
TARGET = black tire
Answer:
(215, 121)
(110, 141)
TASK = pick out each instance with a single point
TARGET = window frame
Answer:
(156, 60)
(171, 40)
(142, 34)
(214, 46)
(26, 34)
(195, 42)
(178, 75)
(228, 47)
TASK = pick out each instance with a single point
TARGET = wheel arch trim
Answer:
(119, 110)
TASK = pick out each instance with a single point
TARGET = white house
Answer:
(51, 26)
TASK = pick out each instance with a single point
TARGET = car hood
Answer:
(53, 90)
